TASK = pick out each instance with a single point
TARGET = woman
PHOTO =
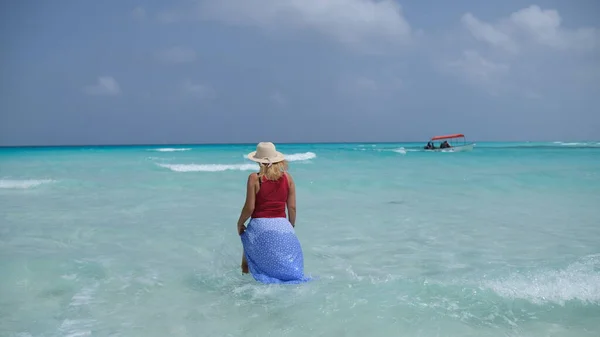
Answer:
(272, 252)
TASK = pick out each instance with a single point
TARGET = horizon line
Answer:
(277, 143)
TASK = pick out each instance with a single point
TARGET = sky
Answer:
(243, 71)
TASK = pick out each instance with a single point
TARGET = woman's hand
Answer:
(241, 228)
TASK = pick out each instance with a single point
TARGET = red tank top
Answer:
(271, 198)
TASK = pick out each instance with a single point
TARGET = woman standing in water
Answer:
(272, 252)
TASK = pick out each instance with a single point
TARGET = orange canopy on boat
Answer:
(456, 135)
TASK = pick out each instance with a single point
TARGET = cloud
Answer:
(358, 85)
(488, 33)
(278, 99)
(373, 85)
(478, 69)
(518, 54)
(200, 91)
(351, 22)
(174, 15)
(139, 13)
(106, 85)
(532, 25)
(177, 55)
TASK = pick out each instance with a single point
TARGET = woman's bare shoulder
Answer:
(252, 177)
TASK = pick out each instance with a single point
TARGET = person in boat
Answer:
(445, 145)
(429, 146)
(271, 251)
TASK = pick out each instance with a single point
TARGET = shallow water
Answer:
(141, 241)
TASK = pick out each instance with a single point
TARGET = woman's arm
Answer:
(249, 204)
(291, 201)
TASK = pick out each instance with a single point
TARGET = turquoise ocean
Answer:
(142, 241)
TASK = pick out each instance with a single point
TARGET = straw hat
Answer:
(266, 153)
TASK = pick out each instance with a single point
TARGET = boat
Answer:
(455, 146)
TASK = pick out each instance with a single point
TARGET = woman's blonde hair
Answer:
(274, 171)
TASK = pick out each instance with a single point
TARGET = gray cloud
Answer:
(106, 86)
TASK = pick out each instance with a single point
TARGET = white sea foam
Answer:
(583, 144)
(400, 150)
(300, 156)
(76, 327)
(171, 149)
(230, 167)
(208, 167)
(23, 184)
(297, 156)
(84, 297)
(579, 281)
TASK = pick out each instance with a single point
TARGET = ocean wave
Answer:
(578, 281)
(400, 150)
(300, 156)
(23, 184)
(231, 167)
(574, 144)
(594, 144)
(171, 149)
(553, 146)
(303, 156)
(208, 167)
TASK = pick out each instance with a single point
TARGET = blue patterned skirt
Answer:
(273, 251)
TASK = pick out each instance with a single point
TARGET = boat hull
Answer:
(458, 148)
